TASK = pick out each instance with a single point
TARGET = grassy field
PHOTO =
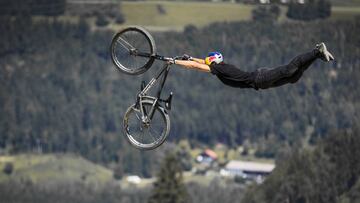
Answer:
(350, 3)
(179, 14)
(66, 168)
(54, 168)
(345, 12)
(175, 15)
(170, 15)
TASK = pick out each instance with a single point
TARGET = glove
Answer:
(186, 57)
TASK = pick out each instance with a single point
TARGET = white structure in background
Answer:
(264, 1)
(90, 1)
(301, 1)
(247, 170)
(133, 179)
(288, 1)
(208, 156)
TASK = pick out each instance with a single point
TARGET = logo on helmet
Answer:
(214, 57)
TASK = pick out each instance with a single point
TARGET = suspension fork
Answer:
(146, 117)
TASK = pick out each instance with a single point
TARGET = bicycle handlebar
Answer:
(163, 58)
(135, 52)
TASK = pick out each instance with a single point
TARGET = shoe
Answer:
(325, 55)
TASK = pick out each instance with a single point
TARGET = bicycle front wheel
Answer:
(132, 50)
(146, 135)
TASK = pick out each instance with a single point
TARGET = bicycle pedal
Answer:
(168, 101)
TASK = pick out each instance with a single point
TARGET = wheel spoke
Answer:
(130, 42)
(136, 112)
(152, 135)
(156, 126)
(125, 43)
(137, 116)
(150, 128)
(142, 138)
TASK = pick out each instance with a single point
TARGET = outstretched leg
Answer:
(295, 69)
(292, 72)
(273, 77)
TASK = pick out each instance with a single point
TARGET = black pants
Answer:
(290, 73)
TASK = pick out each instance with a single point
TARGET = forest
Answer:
(59, 92)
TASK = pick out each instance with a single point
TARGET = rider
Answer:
(262, 78)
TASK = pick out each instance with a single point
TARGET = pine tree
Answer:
(169, 187)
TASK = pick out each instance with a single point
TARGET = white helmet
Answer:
(214, 57)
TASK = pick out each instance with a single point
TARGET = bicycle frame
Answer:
(147, 116)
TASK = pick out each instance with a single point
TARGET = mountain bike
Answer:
(146, 123)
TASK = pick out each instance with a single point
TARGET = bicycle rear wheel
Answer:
(132, 50)
(150, 135)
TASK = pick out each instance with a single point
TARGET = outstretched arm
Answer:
(195, 63)
(198, 60)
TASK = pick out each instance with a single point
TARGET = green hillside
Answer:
(65, 169)
(54, 168)
(350, 3)
(170, 15)
(345, 12)
(175, 15)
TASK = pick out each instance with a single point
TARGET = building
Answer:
(270, 1)
(264, 1)
(247, 170)
(208, 156)
(134, 179)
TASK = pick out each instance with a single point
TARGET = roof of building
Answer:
(249, 166)
(210, 153)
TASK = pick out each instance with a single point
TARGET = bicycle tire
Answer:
(132, 38)
(134, 139)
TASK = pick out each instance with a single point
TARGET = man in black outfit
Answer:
(262, 78)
